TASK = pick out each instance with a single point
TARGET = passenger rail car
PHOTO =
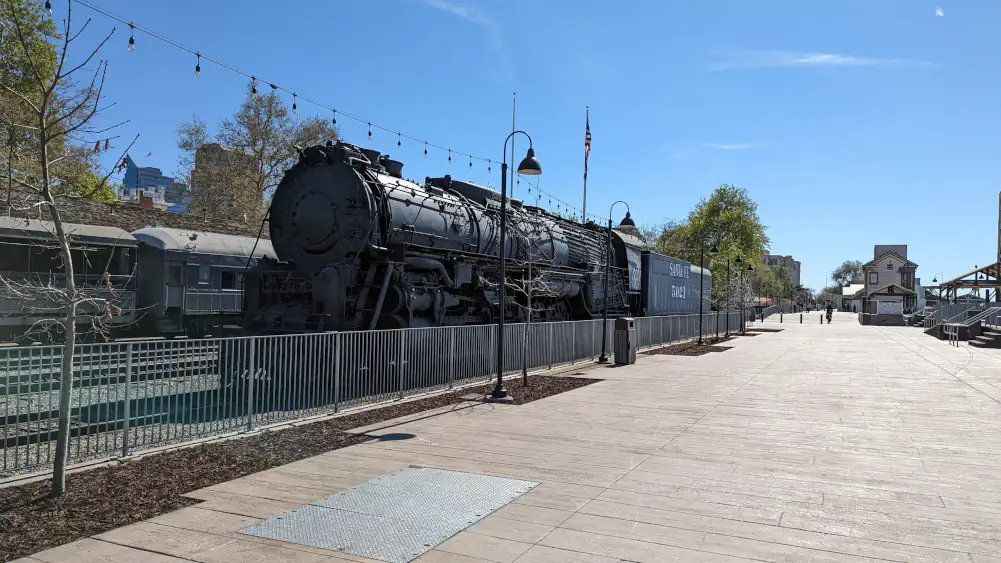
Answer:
(161, 282)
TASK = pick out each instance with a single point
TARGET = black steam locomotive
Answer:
(361, 248)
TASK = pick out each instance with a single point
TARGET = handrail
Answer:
(978, 317)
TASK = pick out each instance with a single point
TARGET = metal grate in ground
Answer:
(396, 517)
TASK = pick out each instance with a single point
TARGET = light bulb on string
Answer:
(470, 162)
(333, 120)
(253, 85)
(48, 6)
(132, 37)
(425, 149)
(399, 140)
(489, 167)
(294, 97)
(198, 65)
(450, 156)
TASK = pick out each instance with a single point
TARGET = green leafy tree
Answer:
(728, 219)
(850, 271)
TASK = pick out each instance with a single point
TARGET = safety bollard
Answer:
(780, 317)
(821, 318)
(801, 318)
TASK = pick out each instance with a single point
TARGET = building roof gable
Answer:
(903, 260)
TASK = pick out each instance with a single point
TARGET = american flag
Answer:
(587, 143)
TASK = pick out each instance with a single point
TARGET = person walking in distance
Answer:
(830, 311)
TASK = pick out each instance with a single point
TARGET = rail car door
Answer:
(175, 285)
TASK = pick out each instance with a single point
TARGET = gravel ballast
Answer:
(108, 497)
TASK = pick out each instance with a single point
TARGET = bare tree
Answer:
(261, 140)
(531, 286)
(58, 109)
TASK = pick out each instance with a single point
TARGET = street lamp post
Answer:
(529, 167)
(743, 310)
(627, 222)
(702, 282)
(738, 260)
(934, 279)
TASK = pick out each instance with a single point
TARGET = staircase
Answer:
(918, 317)
(981, 330)
(989, 338)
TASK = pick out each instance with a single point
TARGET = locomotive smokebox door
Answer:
(625, 341)
(320, 214)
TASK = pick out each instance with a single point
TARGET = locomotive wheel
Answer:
(561, 312)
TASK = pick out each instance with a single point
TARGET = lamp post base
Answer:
(602, 359)
(502, 398)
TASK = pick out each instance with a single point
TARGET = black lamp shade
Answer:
(934, 280)
(738, 260)
(628, 221)
(750, 268)
(529, 166)
(714, 250)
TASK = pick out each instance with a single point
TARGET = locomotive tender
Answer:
(359, 247)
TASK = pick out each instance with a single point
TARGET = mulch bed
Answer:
(765, 330)
(692, 348)
(105, 498)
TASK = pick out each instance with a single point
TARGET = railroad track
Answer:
(40, 373)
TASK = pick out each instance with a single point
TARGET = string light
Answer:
(399, 140)
(274, 87)
(293, 103)
(470, 162)
(132, 37)
(489, 166)
(48, 6)
(369, 130)
(450, 156)
(253, 85)
(425, 149)
(198, 64)
(334, 119)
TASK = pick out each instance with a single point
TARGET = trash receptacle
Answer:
(625, 341)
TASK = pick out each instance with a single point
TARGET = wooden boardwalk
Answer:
(820, 443)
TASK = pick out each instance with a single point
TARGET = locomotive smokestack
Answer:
(393, 167)
(373, 156)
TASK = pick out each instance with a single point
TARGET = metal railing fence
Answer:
(132, 396)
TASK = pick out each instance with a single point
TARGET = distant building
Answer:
(226, 173)
(889, 281)
(792, 266)
(147, 185)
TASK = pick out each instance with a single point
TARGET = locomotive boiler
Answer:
(359, 247)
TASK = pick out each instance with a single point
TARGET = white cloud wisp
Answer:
(787, 59)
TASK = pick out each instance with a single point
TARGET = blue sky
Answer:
(851, 123)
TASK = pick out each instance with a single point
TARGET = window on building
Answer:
(228, 280)
(873, 278)
(204, 273)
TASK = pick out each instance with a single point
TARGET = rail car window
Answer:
(97, 260)
(15, 258)
(45, 260)
(204, 273)
(174, 275)
(228, 280)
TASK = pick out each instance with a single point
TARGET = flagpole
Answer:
(514, 107)
(587, 148)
